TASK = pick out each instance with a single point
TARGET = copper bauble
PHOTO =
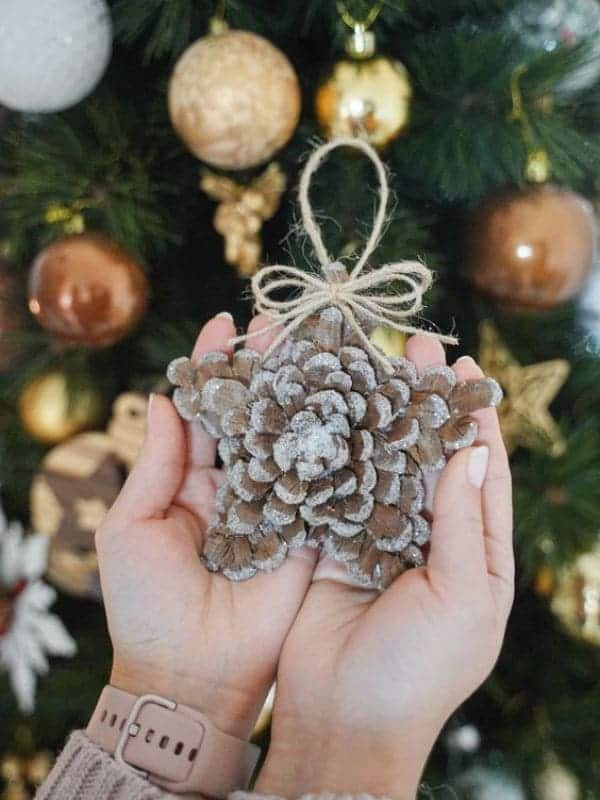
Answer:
(532, 249)
(234, 99)
(87, 290)
(370, 98)
(51, 411)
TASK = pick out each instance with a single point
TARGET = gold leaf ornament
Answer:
(241, 212)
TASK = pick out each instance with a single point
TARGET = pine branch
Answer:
(557, 502)
(167, 27)
(463, 142)
(94, 154)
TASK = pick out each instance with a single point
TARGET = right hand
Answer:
(367, 680)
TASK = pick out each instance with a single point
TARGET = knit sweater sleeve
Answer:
(85, 772)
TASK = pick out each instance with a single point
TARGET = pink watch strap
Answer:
(174, 746)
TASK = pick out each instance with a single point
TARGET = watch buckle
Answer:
(132, 727)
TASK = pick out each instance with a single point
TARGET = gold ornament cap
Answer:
(361, 43)
(538, 168)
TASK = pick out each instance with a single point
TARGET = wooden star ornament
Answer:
(524, 413)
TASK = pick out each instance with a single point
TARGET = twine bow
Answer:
(354, 294)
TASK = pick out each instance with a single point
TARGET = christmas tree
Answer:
(149, 165)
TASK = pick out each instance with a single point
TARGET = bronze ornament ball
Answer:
(234, 99)
(532, 249)
(369, 98)
(87, 291)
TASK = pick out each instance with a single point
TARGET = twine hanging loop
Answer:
(359, 294)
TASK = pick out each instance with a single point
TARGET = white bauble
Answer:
(52, 52)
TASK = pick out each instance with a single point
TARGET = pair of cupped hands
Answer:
(365, 681)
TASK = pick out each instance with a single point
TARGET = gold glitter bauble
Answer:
(576, 599)
(531, 249)
(234, 99)
(51, 411)
(369, 98)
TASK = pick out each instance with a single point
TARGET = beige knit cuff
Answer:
(85, 772)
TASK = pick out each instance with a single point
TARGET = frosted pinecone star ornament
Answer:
(324, 440)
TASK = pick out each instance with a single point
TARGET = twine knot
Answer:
(359, 295)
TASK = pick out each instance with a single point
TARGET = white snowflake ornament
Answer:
(28, 631)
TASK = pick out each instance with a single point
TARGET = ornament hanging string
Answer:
(355, 293)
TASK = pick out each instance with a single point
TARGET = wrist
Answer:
(230, 710)
(333, 761)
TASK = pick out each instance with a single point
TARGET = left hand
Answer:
(178, 630)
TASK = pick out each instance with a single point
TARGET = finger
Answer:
(215, 335)
(497, 492)
(328, 569)
(457, 556)
(262, 323)
(286, 587)
(424, 351)
(158, 472)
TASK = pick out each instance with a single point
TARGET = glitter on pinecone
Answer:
(322, 446)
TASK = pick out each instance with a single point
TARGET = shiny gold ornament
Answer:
(75, 486)
(528, 391)
(531, 249)
(23, 774)
(392, 342)
(87, 290)
(576, 600)
(368, 98)
(241, 212)
(51, 411)
(234, 99)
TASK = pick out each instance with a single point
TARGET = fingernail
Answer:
(464, 360)
(477, 466)
(224, 315)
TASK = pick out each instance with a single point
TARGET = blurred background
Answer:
(149, 157)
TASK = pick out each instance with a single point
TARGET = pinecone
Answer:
(321, 446)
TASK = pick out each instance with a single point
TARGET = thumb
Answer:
(457, 554)
(159, 470)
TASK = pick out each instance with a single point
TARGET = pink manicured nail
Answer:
(477, 466)
(224, 315)
(464, 360)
